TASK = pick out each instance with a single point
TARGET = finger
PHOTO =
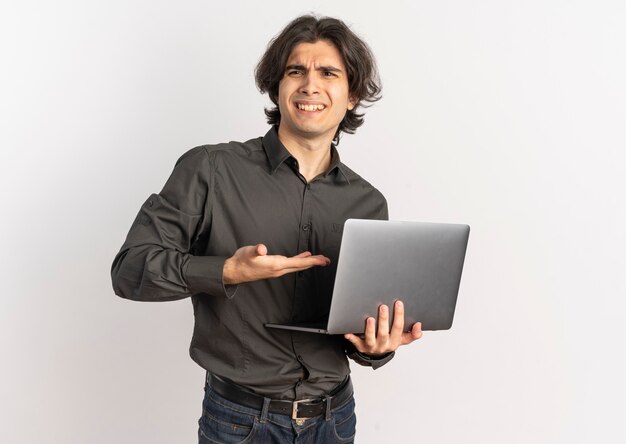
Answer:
(318, 257)
(302, 262)
(416, 331)
(282, 271)
(304, 254)
(261, 250)
(414, 334)
(383, 323)
(370, 333)
(353, 339)
(276, 265)
(398, 320)
(289, 270)
(357, 341)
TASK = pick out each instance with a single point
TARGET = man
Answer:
(251, 232)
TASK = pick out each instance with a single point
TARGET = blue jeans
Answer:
(225, 422)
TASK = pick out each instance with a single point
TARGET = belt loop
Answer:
(207, 382)
(327, 399)
(265, 409)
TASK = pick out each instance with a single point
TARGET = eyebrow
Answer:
(320, 68)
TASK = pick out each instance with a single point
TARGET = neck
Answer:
(312, 154)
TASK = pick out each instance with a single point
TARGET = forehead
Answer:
(321, 52)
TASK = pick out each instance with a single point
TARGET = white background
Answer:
(506, 115)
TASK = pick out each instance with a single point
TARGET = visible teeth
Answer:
(310, 107)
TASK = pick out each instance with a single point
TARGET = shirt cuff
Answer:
(371, 361)
(205, 274)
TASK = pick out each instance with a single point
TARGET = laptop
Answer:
(380, 262)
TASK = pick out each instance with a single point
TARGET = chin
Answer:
(311, 132)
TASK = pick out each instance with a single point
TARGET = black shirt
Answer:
(222, 197)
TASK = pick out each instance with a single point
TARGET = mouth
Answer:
(310, 107)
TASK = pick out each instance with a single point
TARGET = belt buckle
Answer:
(294, 411)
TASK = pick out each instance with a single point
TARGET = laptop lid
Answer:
(381, 262)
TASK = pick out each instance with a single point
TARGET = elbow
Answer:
(120, 290)
(127, 288)
(122, 286)
(134, 281)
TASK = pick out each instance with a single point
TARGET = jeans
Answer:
(225, 422)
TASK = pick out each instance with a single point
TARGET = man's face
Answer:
(313, 95)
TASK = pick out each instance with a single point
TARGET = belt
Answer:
(300, 409)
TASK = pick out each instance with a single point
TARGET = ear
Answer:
(352, 103)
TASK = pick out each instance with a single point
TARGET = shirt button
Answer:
(308, 186)
(150, 203)
(305, 227)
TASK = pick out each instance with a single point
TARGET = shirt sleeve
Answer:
(365, 359)
(156, 262)
(383, 213)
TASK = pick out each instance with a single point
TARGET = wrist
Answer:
(229, 272)
(375, 355)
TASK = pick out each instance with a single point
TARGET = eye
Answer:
(294, 72)
(328, 74)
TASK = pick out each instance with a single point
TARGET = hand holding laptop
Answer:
(386, 340)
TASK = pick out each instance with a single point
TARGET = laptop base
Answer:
(310, 328)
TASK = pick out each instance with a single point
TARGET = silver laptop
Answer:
(380, 262)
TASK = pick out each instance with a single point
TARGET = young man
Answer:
(251, 232)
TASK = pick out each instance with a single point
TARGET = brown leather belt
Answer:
(300, 409)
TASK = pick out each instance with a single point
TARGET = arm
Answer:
(156, 262)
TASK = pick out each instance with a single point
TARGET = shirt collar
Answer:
(274, 149)
(277, 154)
(335, 163)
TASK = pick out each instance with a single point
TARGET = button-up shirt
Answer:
(222, 197)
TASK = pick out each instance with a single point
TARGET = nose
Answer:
(309, 85)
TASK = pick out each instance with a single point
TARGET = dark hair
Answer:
(363, 80)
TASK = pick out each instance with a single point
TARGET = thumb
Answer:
(350, 337)
(261, 250)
